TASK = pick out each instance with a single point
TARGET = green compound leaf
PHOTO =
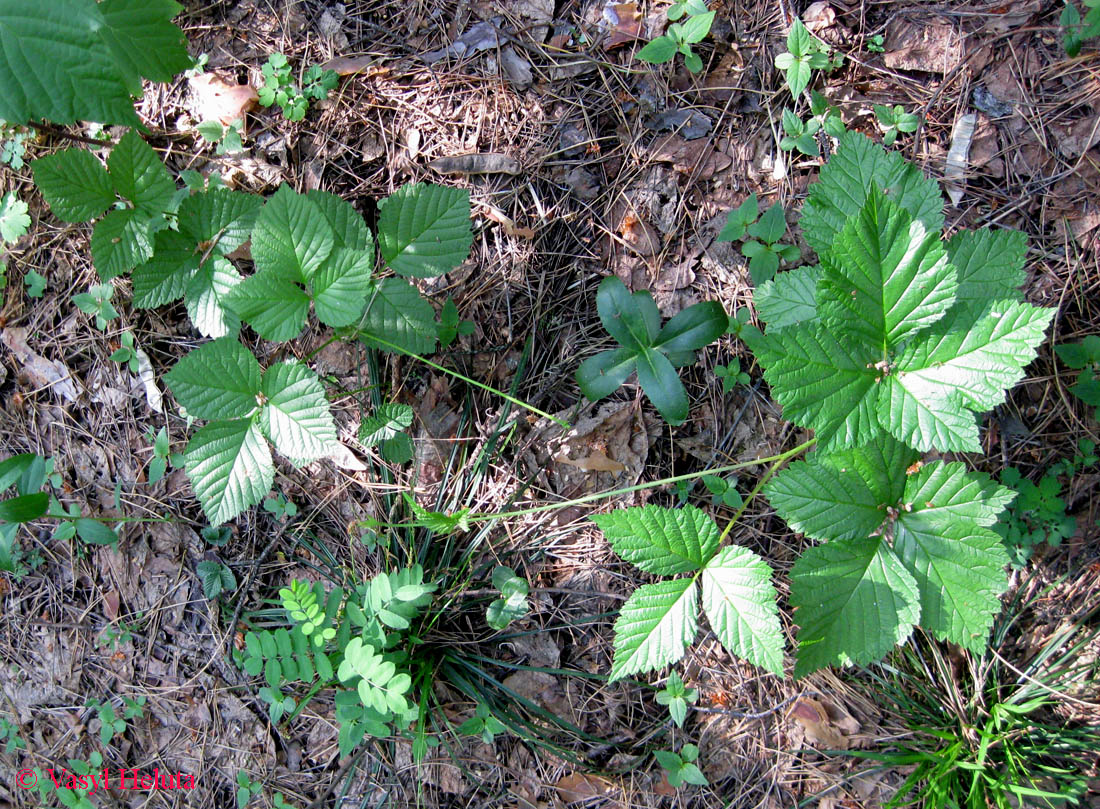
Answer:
(274, 305)
(120, 241)
(140, 176)
(219, 380)
(886, 277)
(846, 181)
(230, 468)
(143, 40)
(740, 602)
(348, 228)
(389, 420)
(948, 371)
(74, 183)
(654, 627)
(164, 278)
(291, 236)
(960, 571)
(424, 229)
(397, 314)
(296, 416)
(207, 295)
(58, 66)
(341, 285)
(219, 220)
(855, 601)
(661, 541)
(789, 298)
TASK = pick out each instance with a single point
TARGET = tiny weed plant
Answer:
(247, 789)
(805, 53)
(13, 146)
(645, 346)
(386, 430)
(14, 219)
(680, 768)
(280, 507)
(676, 697)
(126, 353)
(97, 302)
(1085, 357)
(876, 44)
(739, 219)
(110, 725)
(35, 284)
(680, 36)
(216, 578)
(512, 604)
(1076, 30)
(799, 134)
(731, 375)
(226, 139)
(483, 724)
(893, 121)
(9, 734)
(280, 88)
(763, 250)
(723, 491)
(826, 114)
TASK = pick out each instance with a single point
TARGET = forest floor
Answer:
(616, 167)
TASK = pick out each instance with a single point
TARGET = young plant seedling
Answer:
(739, 219)
(681, 36)
(162, 455)
(451, 326)
(9, 733)
(386, 428)
(681, 769)
(827, 114)
(35, 284)
(278, 704)
(14, 220)
(804, 54)
(731, 375)
(280, 507)
(654, 351)
(482, 724)
(512, 604)
(109, 724)
(13, 149)
(279, 87)
(216, 578)
(876, 44)
(893, 120)
(247, 789)
(97, 301)
(126, 353)
(1077, 30)
(764, 252)
(1084, 356)
(676, 698)
(133, 708)
(799, 134)
(723, 491)
(226, 139)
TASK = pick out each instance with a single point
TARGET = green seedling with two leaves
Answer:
(512, 603)
(894, 120)
(97, 302)
(681, 769)
(676, 697)
(482, 724)
(731, 375)
(279, 87)
(681, 36)
(799, 134)
(226, 139)
(655, 352)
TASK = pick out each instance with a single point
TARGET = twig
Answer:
(61, 133)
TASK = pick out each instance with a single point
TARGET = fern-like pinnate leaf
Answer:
(380, 686)
(659, 621)
(79, 60)
(228, 461)
(933, 519)
(424, 229)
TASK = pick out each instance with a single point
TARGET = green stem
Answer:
(777, 461)
(466, 379)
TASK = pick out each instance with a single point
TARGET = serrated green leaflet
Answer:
(854, 602)
(143, 40)
(424, 230)
(847, 179)
(120, 241)
(296, 416)
(138, 175)
(341, 285)
(661, 541)
(789, 298)
(291, 236)
(75, 184)
(165, 276)
(348, 228)
(207, 294)
(740, 604)
(218, 219)
(885, 277)
(654, 627)
(230, 468)
(220, 380)
(398, 315)
(390, 419)
(990, 265)
(275, 306)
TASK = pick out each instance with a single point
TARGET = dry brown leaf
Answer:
(218, 100)
(476, 163)
(40, 372)
(931, 47)
(596, 462)
(620, 22)
(581, 787)
(819, 729)
(689, 156)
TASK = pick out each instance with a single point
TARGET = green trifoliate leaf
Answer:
(662, 541)
(219, 220)
(274, 305)
(789, 298)
(219, 380)
(348, 228)
(140, 176)
(424, 229)
(659, 51)
(296, 416)
(960, 571)
(230, 468)
(947, 369)
(990, 265)
(164, 278)
(846, 180)
(207, 295)
(143, 40)
(120, 241)
(341, 285)
(740, 602)
(291, 236)
(855, 601)
(61, 69)
(654, 627)
(397, 314)
(885, 277)
(389, 420)
(74, 183)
